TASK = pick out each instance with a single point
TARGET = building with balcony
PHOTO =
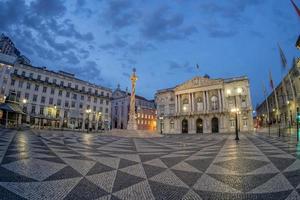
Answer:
(56, 99)
(288, 98)
(204, 105)
(145, 111)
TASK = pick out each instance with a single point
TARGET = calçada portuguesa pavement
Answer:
(66, 165)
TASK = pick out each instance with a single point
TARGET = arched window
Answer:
(214, 103)
(172, 124)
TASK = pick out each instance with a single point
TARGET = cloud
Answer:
(53, 8)
(141, 46)
(162, 25)
(175, 66)
(117, 43)
(89, 71)
(119, 14)
(224, 19)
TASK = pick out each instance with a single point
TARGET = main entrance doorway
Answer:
(199, 125)
(214, 125)
(185, 126)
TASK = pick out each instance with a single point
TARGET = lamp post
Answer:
(236, 110)
(161, 124)
(88, 111)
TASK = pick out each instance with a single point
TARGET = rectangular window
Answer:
(36, 87)
(28, 86)
(107, 102)
(44, 89)
(58, 102)
(73, 104)
(43, 99)
(31, 75)
(95, 100)
(39, 77)
(75, 96)
(34, 98)
(20, 84)
(60, 93)
(52, 90)
(101, 101)
(23, 73)
(61, 83)
(66, 103)
(69, 84)
(33, 109)
(50, 101)
(80, 105)
(41, 110)
(27, 96)
(68, 94)
(82, 97)
(18, 94)
(106, 110)
(12, 82)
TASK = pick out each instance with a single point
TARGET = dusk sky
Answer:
(101, 41)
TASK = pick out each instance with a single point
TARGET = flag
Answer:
(296, 8)
(271, 80)
(282, 57)
(197, 66)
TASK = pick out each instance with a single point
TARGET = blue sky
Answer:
(101, 41)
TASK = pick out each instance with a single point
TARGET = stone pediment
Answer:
(198, 82)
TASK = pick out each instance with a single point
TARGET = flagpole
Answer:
(276, 102)
(267, 103)
(286, 97)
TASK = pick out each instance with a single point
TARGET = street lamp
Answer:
(88, 111)
(161, 124)
(236, 111)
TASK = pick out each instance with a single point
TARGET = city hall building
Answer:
(54, 99)
(205, 105)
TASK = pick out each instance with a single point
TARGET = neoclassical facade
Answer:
(204, 105)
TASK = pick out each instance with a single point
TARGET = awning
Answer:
(44, 117)
(11, 107)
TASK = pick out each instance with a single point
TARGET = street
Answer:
(90, 166)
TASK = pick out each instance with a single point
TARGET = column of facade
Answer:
(194, 96)
(176, 104)
(219, 100)
(204, 100)
(190, 103)
(207, 101)
(223, 100)
(179, 103)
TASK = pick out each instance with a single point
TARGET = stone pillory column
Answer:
(132, 120)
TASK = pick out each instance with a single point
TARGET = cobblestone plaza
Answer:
(204, 166)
